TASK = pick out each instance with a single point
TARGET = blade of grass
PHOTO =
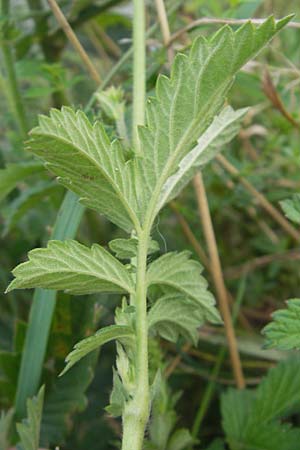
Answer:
(11, 79)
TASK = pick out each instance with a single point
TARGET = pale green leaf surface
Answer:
(12, 174)
(291, 208)
(182, 110)
(127, 248)
(101, 337)
(87, 164)
(29, 429)
(177, 273)
(183, 316)
(284, 330)
(222, 130)
(72, 267)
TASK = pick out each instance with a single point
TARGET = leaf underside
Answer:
(72, 267)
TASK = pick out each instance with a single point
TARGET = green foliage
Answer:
(29, 429)
(127, 248)
(15, 173)
(177, 274)
(74, 268)
(100, 338)
(291, 208)
(6, 419)
(251, 418)
(284, 331)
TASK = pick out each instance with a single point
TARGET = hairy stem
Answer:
(136, 412)
(139, 71)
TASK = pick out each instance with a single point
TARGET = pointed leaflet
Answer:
(102, 336)
(186, 103)
(223, 128)
(175, 313)
(72, 267)
(291, 208)
(87, 164)
(176, 273)
(29, 429)
(284, 331)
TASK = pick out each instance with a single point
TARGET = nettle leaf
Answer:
(127, 248)
(291, 208)
(183, 317)
(12, 174)
(284, 331)
(29, 429)
(88, 164)
(72, 267)
(101, 337)
(187, 102)
(180, 440)
(176, 273)
(222, 130)
(251, 418)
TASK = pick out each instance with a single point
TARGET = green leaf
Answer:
(182, 316)
(187, 102)
(180, 440)
(284, 331)
(127, 248)
(251, 418)
(102, 336)
(15, 173)
(28, 199)
(291, 208)
(176, 273)
(72, 267)
(65, 397)
(29, 429)
(88, 164)
(222, 130)
(5, 425)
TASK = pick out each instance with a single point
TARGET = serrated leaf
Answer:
(284, 331)
(101, 337)
(88, 164)
(127, 248)
(117, 398)
(187, 102)
(251, 418)
(14, 173)
(72, 267)
(176, 273)
(182, 316)
(291, 208)
(29, 429)
(5, 425)
(222, 130)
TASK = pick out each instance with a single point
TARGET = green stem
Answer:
(139, 71)
(12, 83)
(136, 412)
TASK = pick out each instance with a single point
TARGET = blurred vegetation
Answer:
(261, 261)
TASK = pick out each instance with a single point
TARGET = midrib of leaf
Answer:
(106, 175)
(167, 171)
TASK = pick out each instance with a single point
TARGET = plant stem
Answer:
(136, 412)
(139, 71)
(13, 88)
